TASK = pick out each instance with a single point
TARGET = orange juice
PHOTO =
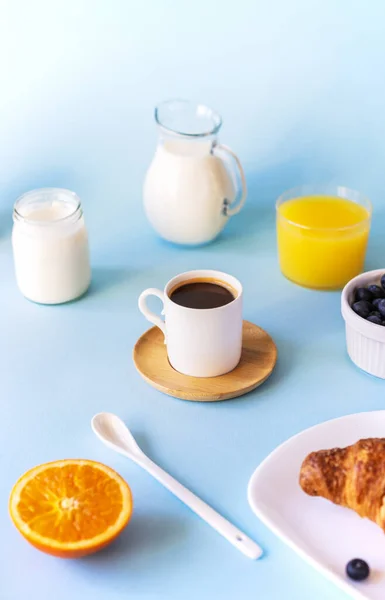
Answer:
(322, 239)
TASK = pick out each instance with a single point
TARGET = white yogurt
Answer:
(50, 246)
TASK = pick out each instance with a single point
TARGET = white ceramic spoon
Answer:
(112, 431)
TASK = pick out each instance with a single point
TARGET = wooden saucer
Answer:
(259, 355)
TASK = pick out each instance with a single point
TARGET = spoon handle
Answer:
(208, 514)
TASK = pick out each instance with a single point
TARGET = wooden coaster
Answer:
(259, 355)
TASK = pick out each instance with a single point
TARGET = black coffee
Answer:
(202, 294)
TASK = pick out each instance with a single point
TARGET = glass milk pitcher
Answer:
(190, 189)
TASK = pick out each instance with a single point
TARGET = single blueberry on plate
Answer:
(374, 319)
(383, 282)
(381, 307)
(363, 308)
(376, 301)
(376, 291)
(363, 294)
(357, 569)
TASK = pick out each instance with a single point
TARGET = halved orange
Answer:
(70, 508)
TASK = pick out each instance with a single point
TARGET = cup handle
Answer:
(151, 316)
(234, 207)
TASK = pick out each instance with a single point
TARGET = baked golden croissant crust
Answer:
(353, 477)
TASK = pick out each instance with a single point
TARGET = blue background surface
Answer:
(301, 89)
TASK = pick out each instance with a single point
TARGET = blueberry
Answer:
(364, 294)
(374, 319)
(376, 291)
(383, 282)
(381, 307)
(375, 313)
(357, 569)
(376, 302)
(363, 308)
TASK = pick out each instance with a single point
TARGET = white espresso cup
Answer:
(200, 342)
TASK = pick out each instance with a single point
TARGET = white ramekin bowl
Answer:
(365, 341)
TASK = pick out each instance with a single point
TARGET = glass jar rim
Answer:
(184, 108)
(337, 191)
(44, 194)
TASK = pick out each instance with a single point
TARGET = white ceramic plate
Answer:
(325, 535)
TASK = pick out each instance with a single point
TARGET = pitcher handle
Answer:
(230, 209)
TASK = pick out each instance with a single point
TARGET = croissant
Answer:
(353, 477)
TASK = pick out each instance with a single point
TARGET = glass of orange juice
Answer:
(322, 233)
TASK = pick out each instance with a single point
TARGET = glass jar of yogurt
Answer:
(50, 246)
